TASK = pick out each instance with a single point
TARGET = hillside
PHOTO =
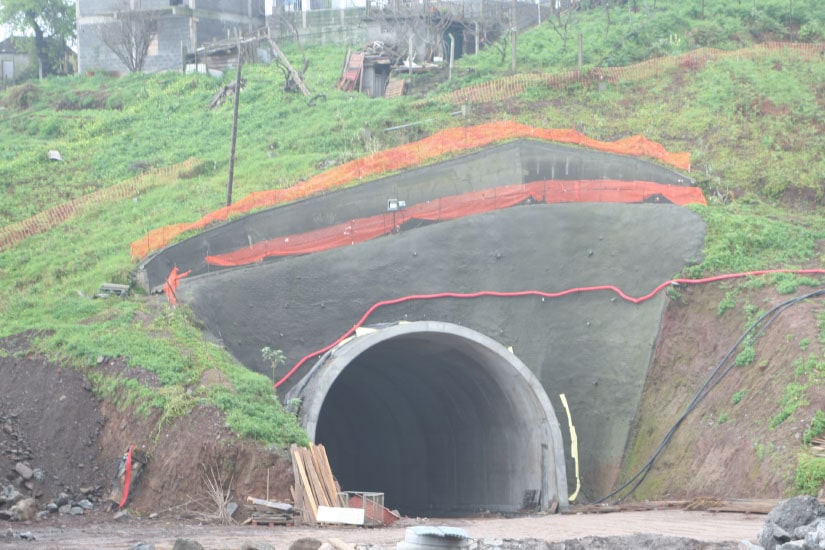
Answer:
(146, 151)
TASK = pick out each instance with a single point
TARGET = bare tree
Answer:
(420, 24)
(129, 34)
(563, 15)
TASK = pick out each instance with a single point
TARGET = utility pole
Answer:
(234, 126)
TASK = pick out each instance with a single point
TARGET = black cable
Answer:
(711, 382)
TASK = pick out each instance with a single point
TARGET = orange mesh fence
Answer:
(13, 233)
(456, 206)
(511, 86)
(170, 288)
(447, 141)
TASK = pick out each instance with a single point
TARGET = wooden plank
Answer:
(334, 484)
(296, 489)
(338, 544)
(292, 72)
(324, 469)
(317, 487)
(312, 512)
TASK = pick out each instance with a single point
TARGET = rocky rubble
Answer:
(21, 490)
(795, 524)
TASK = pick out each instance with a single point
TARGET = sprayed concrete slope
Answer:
(520, 161)
(593, 347)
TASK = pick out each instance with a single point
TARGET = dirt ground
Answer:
(77, 533)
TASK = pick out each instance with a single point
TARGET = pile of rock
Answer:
(796, 523)
(19, 498)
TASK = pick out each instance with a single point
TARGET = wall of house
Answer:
(321, 27)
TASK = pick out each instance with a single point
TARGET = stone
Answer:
(792, 545)
(62, 499)
(231, 508)
(64, 509)
(748, 545)
(85, 504)
(76, 511)
(121, 515)
(257, 545)
(38, 474)
(43, 515)
(794, 512)
(24, 471)
(25, 510)
(305, 543)
(52, 507)
(27, 535)
(187, 544)
(143, 546)
(772, 535)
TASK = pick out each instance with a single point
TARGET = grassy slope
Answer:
(753, 125)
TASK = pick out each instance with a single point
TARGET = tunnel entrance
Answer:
(441, 419)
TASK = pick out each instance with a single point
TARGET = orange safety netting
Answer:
(447, 141)
(170, 288)
(456, 206)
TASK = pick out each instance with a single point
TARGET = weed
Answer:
(737, 397)
(816, 429)
(792, 398)
(760, 451)
(728, 302)
(723, 417)
(745, 357)
(804, 343)
(810, 474)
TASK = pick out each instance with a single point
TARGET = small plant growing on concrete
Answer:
(275, 357)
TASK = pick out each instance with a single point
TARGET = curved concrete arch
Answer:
(439, 417)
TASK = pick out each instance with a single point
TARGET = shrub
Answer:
(810, 474)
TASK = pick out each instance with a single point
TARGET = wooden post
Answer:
(452, 56)
(234, 127)
(580, 53)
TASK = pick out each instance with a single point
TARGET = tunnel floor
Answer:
(442, 425)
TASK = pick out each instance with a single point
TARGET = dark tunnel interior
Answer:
(436, 423)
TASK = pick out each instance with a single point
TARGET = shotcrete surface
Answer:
(592, 346)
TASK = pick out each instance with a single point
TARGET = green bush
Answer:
(810, 474)
(816, 429)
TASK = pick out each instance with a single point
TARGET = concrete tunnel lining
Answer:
(440, 418)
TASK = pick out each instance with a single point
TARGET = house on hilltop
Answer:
(13, 60)
(180, 27)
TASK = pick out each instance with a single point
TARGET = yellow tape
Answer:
(574, 446)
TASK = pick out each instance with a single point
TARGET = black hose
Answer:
(771, 315)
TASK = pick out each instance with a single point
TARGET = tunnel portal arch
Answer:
(440, 418)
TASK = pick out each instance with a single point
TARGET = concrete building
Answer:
(13, 60)
(182, 26)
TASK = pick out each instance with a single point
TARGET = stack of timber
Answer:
(818, 446)
(267, 512)
(314, 484)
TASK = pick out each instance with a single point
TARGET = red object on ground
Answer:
(374, 512)
(128, 479)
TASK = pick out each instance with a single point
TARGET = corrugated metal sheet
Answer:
(443, 531)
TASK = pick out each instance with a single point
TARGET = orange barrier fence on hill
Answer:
(47, 219)
(457, 206)
(447, 141)
(512, 86)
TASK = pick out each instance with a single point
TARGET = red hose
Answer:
(127, 481)
(485, 293)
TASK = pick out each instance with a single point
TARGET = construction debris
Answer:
(315, 485)
(267, 512)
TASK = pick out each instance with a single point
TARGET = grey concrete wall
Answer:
(515, 162)
(593, 347)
